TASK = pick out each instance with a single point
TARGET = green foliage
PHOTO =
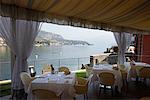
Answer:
(5, 89)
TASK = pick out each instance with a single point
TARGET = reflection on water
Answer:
(46, 52)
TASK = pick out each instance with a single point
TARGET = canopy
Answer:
(112, 15)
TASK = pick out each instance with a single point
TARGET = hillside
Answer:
(48, 38)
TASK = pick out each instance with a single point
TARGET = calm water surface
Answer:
(71, 56)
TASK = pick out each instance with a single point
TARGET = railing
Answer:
(71, 63)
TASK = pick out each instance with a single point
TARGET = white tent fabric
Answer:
(19, 36)
(123, 40)
(111, 15)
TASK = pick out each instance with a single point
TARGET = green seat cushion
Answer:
(81, 73)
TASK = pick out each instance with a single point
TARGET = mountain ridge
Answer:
(49, 38)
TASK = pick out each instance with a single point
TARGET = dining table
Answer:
(133, 69)
(61, 84)
(97, 69)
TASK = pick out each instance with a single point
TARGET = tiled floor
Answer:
(5, 97)
(135, 92)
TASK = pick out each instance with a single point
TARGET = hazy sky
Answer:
(76, 33)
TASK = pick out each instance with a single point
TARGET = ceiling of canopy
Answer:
(112, 15)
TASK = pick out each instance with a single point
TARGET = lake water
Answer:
(71, 56)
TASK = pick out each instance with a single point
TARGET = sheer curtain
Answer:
(123, 40)
(19, 36)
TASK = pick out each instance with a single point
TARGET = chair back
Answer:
(107, 78)
(82, 81)
(144, 72)
(41, 94)
(46, 69)
(64, 69)
(26, 80)
(81, 85)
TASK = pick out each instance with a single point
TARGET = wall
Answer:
(146, 49)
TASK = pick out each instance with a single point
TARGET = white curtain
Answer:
(123, 40)
(19, 36)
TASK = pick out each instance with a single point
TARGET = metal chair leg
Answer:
(99, 91)
(111, 90)
(104, 88)
(84, 96)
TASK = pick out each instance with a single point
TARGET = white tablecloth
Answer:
(134, 70)
(97, 69)
(59, 83)
(142, 64)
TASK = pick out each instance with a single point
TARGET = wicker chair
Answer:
(81, 86)
(26, 80)
(41, 94)
(46, 69)
(144, 73)
(65, 70)
(106, 79)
